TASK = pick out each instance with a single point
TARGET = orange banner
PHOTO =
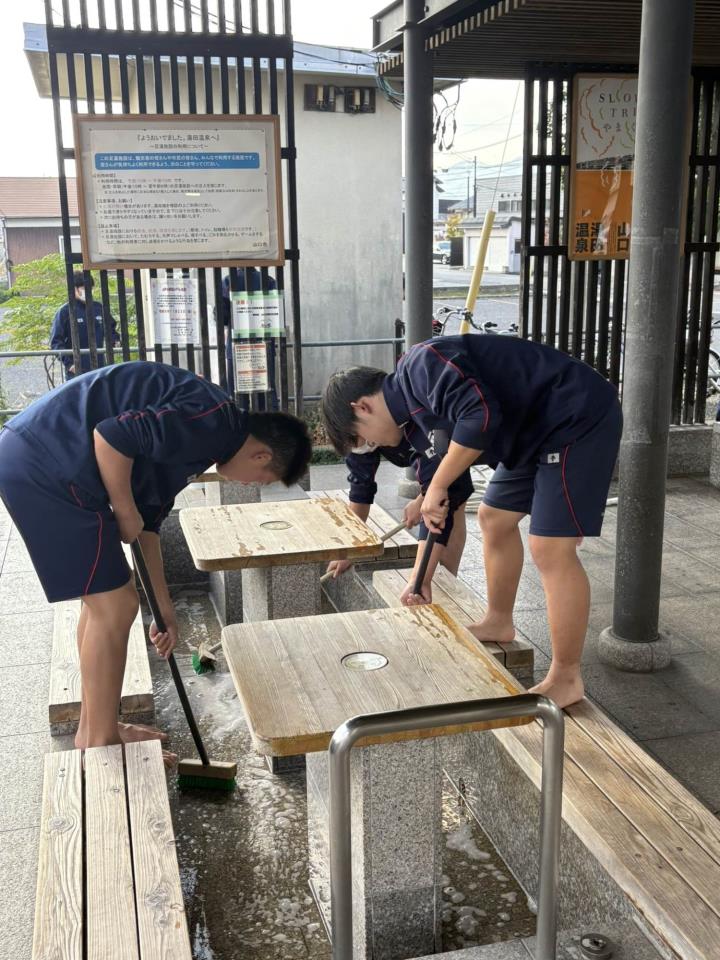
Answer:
(601, 180)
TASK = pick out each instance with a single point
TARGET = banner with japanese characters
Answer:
(601, 167)
(184, 189)
(257, 314)
(251, 367)
(175, 310)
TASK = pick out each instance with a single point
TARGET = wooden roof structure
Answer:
(498, 39)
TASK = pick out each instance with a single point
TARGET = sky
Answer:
(487, 114)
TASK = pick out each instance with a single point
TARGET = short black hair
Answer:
(288, 438)
(346, 387)
(79, 280)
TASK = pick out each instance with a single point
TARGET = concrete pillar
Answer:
(661, 150)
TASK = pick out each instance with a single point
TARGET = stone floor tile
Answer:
(696, 677)
(21, 593)
(24, 700)
(25, 637)
(18, 860)
(21, 777)
(695, 761)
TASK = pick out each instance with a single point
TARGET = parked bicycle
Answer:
(443, 314)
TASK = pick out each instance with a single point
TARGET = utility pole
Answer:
(474, 188)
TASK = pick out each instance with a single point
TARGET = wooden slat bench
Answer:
(464, 606)
(108, 882)
(658, 843)
(137, 703)
(403, 546)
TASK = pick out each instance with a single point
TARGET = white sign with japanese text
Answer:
(175, 309)
(251, 367)
(182, 189)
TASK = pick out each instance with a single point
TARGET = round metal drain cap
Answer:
(594, 946)
(365, 660)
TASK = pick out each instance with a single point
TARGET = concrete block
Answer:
(226, 585)
(397, 847)
(274, 593)
(715, 455)
(689, 450)
(179, 566)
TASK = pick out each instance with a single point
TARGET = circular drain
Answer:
(276, 525)
(594, 946)
(364, 661)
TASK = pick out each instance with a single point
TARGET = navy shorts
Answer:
(73, 541)
(564, 490)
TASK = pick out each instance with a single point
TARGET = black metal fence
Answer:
(173, 56)
(580, 307)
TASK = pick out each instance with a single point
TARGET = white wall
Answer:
(349, 219)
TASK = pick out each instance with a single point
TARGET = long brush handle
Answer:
(144, 575)
(386, 536)
(425, 560)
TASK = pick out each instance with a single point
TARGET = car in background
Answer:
(441, 252)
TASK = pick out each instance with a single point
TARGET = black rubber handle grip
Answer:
(425, 560)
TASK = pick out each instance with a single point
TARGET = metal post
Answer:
(418, 85)
(448, 715)
(661, 150)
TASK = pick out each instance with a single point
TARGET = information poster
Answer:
(175, 310)
(251, 367)
(164, 190)
(258, 314)
(603, 153)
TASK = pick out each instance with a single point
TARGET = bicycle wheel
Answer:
(713, 381)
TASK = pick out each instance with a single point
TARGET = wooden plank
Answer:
(693, 817)
(692, 863)
(390, 550)
(296, 691)
(59, 898)
(381, 521)
(162, 923)
(661, 896)
(65, 683)
(110, 903)
(283, 532)
(461, 603)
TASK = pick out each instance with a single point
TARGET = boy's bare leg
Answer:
(503, 552)
(567, 591)
(452, 554)
(103, 630)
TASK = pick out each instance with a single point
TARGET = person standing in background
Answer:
(60, 336)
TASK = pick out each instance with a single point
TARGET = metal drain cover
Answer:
(365, 660)
(594, 946)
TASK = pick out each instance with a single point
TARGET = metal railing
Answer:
(452, 715)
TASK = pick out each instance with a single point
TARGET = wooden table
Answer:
(278, 546)
(296, 688)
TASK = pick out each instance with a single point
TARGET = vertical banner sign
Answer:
(240, 300)
(251, 367)
(257, 314)
(175, 310)
(601, 166)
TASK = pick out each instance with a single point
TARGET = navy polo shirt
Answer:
(61, 338)
(512, 399)
(172, 423)
(364, 466)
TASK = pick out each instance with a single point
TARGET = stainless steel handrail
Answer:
(424, 718)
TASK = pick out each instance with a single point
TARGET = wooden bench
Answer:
(464, 606)
(658, 843)
(403, 546)
(108, 876)
(137, 703)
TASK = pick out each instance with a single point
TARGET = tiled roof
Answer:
(34, 197)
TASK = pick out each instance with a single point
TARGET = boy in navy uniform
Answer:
(549, 424)
(98, 462)
(61, 338)
(363, 463)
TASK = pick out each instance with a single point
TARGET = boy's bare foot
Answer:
(169, 759)
(563, 690)
(133, 732)
(491, 631)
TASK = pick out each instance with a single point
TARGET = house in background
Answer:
(502, 194)
(30, 224)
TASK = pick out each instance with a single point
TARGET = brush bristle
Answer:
(205, 783)
(201, 666)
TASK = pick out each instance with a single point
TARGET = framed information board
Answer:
(167, 190)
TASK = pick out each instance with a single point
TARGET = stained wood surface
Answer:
(110, 902)
(296, 691)
(59, 898)
(65, 685)
(162, 923)
(658, 843)
(403, 545)
(461, 603)
(237, 535)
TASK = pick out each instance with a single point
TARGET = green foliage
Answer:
(40, 289)
(453, 226)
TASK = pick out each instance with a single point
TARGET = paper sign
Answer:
(251, 367)
(175, 309)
